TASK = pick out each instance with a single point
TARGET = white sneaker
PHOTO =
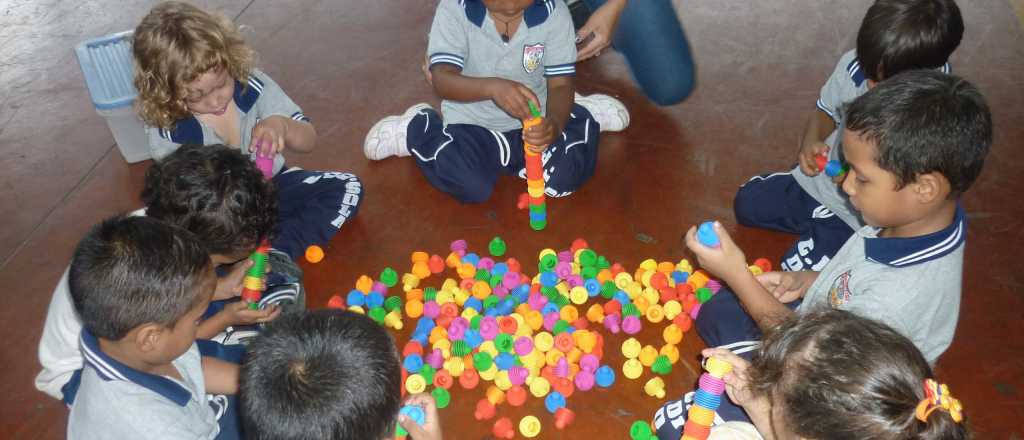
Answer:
(607, 111)
(387, 137)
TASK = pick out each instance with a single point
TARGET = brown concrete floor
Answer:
(348, 63)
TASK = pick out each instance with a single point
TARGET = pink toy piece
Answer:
(537, 301)
(550, 319)
(264, 163)
(584, 380)
(517, 375)
(565, 256)
(711, 384)
(467, 284)
(713, 285)
(563, 269)
(523, 345)
(459, 245)
(574, 280)
(457, 328)
(489, 328)
(631, 325)
(589, 362)
(436, 359)
(510, 280)
(611, 322)
(562, 367)
(380, 288)
(431, 309)
(500, 291)
(694, 311)
(485, 263)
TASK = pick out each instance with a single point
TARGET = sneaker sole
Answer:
(373, 151)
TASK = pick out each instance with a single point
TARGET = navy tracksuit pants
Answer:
(465, 160)
(777, 202)
(312, 206)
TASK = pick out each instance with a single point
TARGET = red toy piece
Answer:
(564, 417)
(503, 428)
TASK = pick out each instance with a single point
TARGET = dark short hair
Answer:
(324, 374)
(215, 192)
(925, 121)
(130, 271)
(841, 376)
(900, 35)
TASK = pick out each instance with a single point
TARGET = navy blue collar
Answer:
(534, 15)
(903, 252)
(190, 131)
(857, 73)
(110, 369)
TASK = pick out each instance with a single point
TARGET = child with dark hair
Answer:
(830, 374)
(914, 144)
(894, 36)
(222, 198)
(139, 286)
(327, 374)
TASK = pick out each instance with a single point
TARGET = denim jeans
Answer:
(651, 38)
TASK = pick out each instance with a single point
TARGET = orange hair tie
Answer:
(937, 396)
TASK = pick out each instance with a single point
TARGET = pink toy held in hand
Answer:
(264, 163)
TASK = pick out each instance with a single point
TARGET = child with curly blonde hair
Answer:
(198, 84)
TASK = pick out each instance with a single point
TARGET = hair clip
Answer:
(937, 396)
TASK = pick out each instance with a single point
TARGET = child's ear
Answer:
(931, 187)
(148, 337)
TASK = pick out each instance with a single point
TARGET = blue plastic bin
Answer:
(106, 63)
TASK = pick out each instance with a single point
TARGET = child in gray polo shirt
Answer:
(140, 286)
(489, 60)
(894, 36)
(914, 144)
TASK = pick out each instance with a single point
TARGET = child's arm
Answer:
(510, 96)
(282, 122)
(221, 377)
(560, 100)
(235, 313)
(729, 263)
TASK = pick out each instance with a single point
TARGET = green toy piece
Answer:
(389, 277)
(662, 365)
(497, 246)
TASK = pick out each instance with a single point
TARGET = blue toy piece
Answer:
(504, 361)
(374, 299)
(414, 412)
(593, 287)
(548, 279)
(473, 303)
(706, 235)
(680, 277)
(834, 168)
(553, 401)
(355, 298)
(413, 363)
(604, 377)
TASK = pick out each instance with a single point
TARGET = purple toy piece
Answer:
(500, 291)
(457, 328)
(562, 367)
(488, 328)
(714, 286)
(695, 311)
(631, 325)
(485, 263)
(517, 375)
(264, 163)
(611, 322)
(563, 269)
(537, 301)
(436, 359)
(523, 345)
(549, 321)
(574, 280)
(380, 288)
(510, 280)
(584, 380)
(589, 362)
(431, 309)
(565, 256)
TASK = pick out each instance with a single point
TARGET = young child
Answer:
(831, 375)
(219, 196)
(197, 85)
(914, 143)
(489, 60)
(140, 286)
(895, 36)
(327, 374)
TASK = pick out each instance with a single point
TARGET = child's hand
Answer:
(230, 285)
(726, 261)
(788, 286)
(239, 313)
(431, 429)
(736, 382)
(808, 152)
(268, 134)
(426, 70)
(512, 97)
(540, 136)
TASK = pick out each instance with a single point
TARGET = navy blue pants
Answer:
(652, 40)
(465, 160)
(312, 206)
(777, 202)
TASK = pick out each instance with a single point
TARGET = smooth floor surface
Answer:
(349, 63)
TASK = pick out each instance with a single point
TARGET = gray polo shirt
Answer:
(846, 83)
(115, 401)
(911, 284)
(464, 35)
(257, 99)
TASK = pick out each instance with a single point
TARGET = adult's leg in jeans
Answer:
(651, 38)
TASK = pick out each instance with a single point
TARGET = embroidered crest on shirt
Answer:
(839, 294)
(532, 56)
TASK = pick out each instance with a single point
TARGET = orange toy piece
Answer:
(516, 395)
(364, 283)
(503, 428)
(564, 417)
(443, 379)
(435, 264)
(421, 270)
(419, 257)
(564, 342)
(469, 378)
(495, 395)
(314, 254)
(412, 347)
(595, 313)
(484, 410)
(764, 263)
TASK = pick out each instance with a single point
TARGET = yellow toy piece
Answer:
(529, 426)
(631, 348)
(415, 384)
(655, 388)
(632, 369)
(647, 355)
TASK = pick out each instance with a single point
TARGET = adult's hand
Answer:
(598, 31)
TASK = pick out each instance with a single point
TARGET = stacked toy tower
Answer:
(256, 277)
(706, 400)
(535, 177)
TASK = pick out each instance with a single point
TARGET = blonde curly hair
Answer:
(173, 45)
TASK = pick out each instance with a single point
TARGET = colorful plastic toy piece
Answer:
(255, 280)
(707, 399)
(414, 412)
(389, 277)
(264, 163)
(834, 168)
(564, 417)
(604, 376)
(631, 348)
(441, 397)
(655, 388)
(641, 430)
(706, 235)
(821, 160)
(529, 426)
(553, 401)
(503, 428)
(632, 369)
(415, 384)
(497, 247)
(484, 410)
(535, 176)
(516, 395)
(662, 365)
(314, 254)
